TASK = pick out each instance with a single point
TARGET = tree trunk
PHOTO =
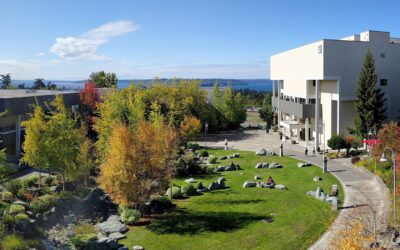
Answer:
(63, 177)
(40, 179)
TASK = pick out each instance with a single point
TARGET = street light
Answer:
(384, 159)
(205, 134)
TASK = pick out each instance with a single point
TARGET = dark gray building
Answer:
(17, 104)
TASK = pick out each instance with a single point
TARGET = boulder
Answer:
(70, 219)
(220, 168)
(322, 196)
(176, 192)
(55, 189)
(138, 248)
(109, 227)
(213, 186)
(259, 165)
(221, 179)
(265, 165)
(318, 192)
(248, 184)
(223, 158)
(117, 236)
(19, 203)
(237, 166)
(230, 168)
(257, 177)
(317, 178)
(311, 193)
(280, 187)
(114, 217)
(236, 155)
(202, 190)
(303, 164)
(190, 180)
(261, 152)
(274, 165)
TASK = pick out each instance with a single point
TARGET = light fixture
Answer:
(383, 158)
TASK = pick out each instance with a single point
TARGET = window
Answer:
(319, 49)
(314, 82)
(383, 82)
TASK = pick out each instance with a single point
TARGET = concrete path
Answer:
(366, 197)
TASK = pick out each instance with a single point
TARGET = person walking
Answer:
(313, 151)
(306, 152)
(226, 144)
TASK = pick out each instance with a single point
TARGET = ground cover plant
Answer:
(237, 217)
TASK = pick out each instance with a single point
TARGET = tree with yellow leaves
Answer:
(353, 237)
(139, 162)
(190, 128)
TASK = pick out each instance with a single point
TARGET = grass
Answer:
(232, 218)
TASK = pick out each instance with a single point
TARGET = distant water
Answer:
(254, 84)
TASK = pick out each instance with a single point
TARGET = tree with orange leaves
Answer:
(190, 127)
(90, 96)
(139, 163)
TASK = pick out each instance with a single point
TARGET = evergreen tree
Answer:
(370, 109)
(5, 81)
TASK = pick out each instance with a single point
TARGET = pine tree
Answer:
(370, 109)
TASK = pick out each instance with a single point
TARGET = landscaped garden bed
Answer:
(243, 218)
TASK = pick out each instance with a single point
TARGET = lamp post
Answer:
(384, 159)
(205, 134)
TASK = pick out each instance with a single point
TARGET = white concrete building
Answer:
(329, 69)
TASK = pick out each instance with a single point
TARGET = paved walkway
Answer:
(366, 197)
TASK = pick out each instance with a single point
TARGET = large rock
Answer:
(257, 177)
(138, 248)
(322, 196)
(190, 180)
(221, 179)
(230, 168)
(117, 236)
(261, 152)
(265, 165)
(220, 168)
(280, 187)
(259, 165)
(318, 192)
(311, 193)
(248, 184)
(114, 217)
(213, 186)
(176, 192)
(317, 178)
(303, 164)
(109, 227)
(274, 165)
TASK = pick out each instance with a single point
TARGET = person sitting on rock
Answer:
(270, 182)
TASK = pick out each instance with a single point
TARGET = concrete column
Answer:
(18, 137)
(317, 112)
(275, 104)
(306, 136)
(279, 100)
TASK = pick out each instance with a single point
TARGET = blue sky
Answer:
(67, 40)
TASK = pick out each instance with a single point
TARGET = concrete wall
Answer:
(296, 66)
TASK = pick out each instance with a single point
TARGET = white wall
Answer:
(296, 66)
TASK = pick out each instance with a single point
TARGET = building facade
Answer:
(314, 85)
(16, 105)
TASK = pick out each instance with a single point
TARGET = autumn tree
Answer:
(190, 128)
(389, 136)
(34, 147)
(85, 160)
(139, 163)
(348, 143)
(90, 96)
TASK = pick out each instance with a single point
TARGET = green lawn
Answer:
(232, 218)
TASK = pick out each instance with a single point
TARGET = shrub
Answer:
(16, 209)
(31, 180)
(13, 186)
(336, 142)
(43, 203)
(66, 195)
(193, 146)
(176, 192)
(9, 219)
(212, 159)
(21, 217)
(200, 185)
(130, 216)
(355, 159)
(203, 153)
(189, 190)
(13, 242)
(7, 196)
(84, 228)
(80, 241)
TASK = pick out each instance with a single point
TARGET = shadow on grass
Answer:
(191, 223)
(237, 202)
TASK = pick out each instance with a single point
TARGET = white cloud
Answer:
(41, 54)
(86, 45)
